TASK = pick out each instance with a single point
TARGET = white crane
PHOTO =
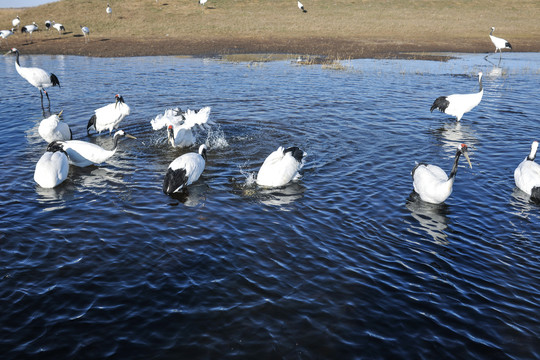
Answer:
(36, 77)
(431, 182)
(52, 128)
(499, 43)
(109, 117)
(180, 126)
(16, 22)
(86, 33)
(527, 174)
(459, 104)
(108, 10)
(202, 2)
(4, 34)
(184, 171)
(48, 25)
(301, 7)
(82, 153)
(29, 29)
(52, 168)
(281, 166)
(61, 29)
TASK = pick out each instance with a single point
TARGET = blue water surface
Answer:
(345, 263)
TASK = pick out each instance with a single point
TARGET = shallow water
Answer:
(344, 263)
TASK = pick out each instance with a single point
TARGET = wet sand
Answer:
(340, 48)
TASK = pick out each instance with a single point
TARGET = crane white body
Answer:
(301, 7)
(82, 153)
(527, 174)
(184, 171)
(432, 183)
(52, 168)
(108, 10)
(281, 167)
(52, 128)
(109, 117)
(459, 104)
(181, 126)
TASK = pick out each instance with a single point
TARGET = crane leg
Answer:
(49, 100)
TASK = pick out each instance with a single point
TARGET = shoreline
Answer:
(327, 48)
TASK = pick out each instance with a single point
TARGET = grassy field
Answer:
(405, 24)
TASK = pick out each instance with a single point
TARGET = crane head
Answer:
(465, 151)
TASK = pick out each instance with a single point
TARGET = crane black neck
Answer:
(115, 144)
(480, 82)
(455, 166)
(17, 58)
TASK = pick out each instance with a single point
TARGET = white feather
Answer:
(109, 117)
(193, 165)
(498, 42)
(432, 184)
(82, 153)
(527, 174)
(51, 169)
(183, 124)
(459, 104)
(52, 128)
(279, 169)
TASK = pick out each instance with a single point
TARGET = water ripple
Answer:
(346, 262)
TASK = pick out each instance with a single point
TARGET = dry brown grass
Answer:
(369, 22)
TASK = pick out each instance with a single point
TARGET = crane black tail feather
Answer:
(54, 80)
(440, 103)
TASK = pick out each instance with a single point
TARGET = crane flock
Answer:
(282, 166)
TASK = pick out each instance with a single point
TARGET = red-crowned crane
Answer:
(86, 32)
(16, 22)
(52, 128)
(61, 29)
(527, 174)
(29, 29)
(184, 171)
(83, 153)
(280, 167)
(499, 43)
(52, 168)
(459, 104)
(4, 34)
(180, 126)
(36, 77)
(109, 117)
(431, 182)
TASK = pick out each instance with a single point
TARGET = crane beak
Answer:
(130, 136)
(60, 113)
(466, 154)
